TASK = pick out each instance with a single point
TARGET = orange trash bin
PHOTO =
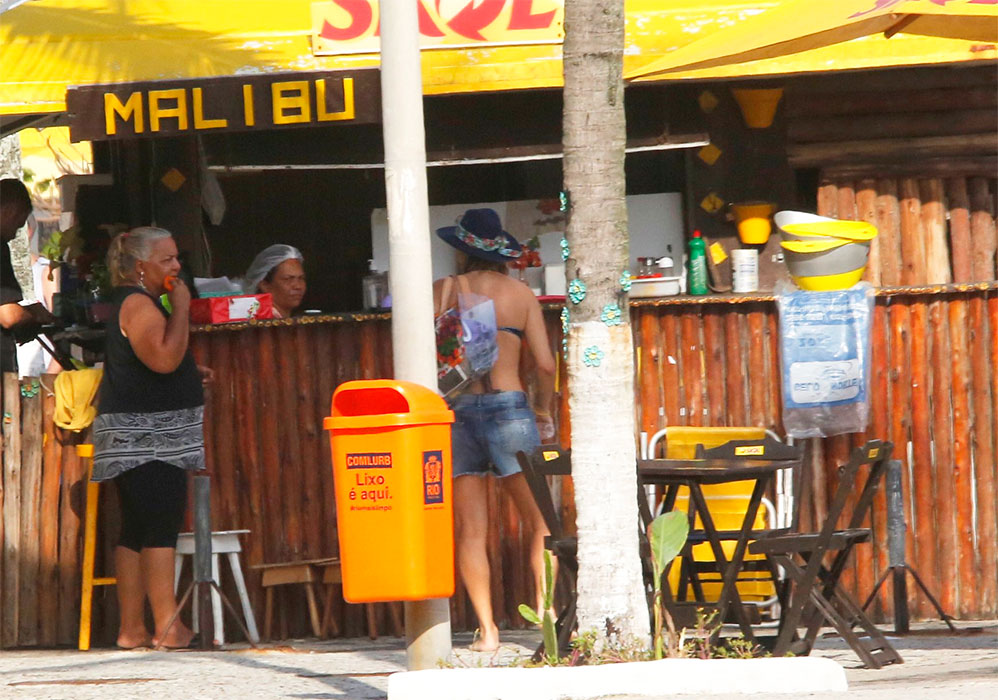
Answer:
(391, 449)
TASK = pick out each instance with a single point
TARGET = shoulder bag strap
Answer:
(445, 293)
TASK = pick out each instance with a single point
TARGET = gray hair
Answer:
(128, 248)
(265, 262)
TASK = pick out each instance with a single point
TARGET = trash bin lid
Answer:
(384, 403)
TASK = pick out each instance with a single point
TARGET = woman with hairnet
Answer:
(277, 270)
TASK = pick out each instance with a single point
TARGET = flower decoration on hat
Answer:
(611, 315)
(576, 291)
(489, 245)
(592, 356)
(479, 233)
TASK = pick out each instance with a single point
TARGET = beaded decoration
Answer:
(576, 291)
(625, 280)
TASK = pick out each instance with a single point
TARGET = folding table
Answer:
(694, 473)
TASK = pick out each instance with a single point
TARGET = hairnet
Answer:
(265, 261)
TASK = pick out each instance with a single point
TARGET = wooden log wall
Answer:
(934, 379)
(708, 362)
(931, 230)
(42, 499)
(936, 122)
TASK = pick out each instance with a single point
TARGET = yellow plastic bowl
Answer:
(828, 283)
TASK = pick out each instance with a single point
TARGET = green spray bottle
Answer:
(696, 281)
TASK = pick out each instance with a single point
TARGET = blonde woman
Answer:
(148, 431)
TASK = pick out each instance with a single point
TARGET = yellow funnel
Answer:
(753, 221)
(758, 105)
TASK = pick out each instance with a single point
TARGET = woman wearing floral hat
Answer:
(493, 419)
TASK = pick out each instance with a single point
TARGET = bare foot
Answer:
(134, 641)
(179, 637)
(487, 640)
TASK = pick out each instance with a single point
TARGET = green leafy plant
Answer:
(667, 535)
(547, 623)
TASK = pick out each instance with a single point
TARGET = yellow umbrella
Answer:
(796, 26)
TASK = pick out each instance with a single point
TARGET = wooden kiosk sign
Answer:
(231, 103)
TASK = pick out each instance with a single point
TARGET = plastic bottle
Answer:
(697, 283)
(375, 287)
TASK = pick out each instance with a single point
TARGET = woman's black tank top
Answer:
(128, 386)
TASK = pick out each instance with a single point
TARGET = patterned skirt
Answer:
(126, 440)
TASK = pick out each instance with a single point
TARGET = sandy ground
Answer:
(937, 666)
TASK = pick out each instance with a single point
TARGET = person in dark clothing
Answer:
(149, 428)
(15, 207)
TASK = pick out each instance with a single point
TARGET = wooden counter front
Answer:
(699, 361)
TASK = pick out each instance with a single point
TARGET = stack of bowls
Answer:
(821, 253)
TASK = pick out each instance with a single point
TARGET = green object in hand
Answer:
(165, 301)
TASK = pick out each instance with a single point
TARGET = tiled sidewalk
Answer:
(936, 666)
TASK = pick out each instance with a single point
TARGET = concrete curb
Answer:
(647, 679)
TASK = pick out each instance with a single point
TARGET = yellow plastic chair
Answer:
(89, 549)
(727, 503)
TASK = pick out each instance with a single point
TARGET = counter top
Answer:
(678, 300)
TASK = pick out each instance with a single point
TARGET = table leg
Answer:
(216, 602)
(313, 609)
(237, 576)
(730, 568)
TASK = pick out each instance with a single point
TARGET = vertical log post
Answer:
(937, 263)
(735, 363)
(962, 457)
(912, 235)
(900, 320)
(879, 429)
(982, 364)
(866, 210)
(11, 509)
(922, 487)
(31, 496)
(889, 227)
(959, 234)
(48, 582)
(982, 230)
(945, 571)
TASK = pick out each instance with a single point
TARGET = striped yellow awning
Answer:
(49, 45)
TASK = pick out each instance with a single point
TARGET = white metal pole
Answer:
(427, 623)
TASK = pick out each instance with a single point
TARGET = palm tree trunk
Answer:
(600, 353)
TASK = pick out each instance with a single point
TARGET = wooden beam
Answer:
(891, 125)
(942, 167)
(892, 150)
(800, 104)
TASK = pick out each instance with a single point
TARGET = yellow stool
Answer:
(89, 548)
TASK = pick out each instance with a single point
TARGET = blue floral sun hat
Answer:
(479, 233)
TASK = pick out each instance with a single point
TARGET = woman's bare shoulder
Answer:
(137, 305)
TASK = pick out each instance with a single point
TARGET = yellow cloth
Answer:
(74, 394)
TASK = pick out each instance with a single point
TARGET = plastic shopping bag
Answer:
(466, 339)
(825, 359)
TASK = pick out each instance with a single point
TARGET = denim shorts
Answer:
(488, 431)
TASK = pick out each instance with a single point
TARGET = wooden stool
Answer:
(222, 542)
(332, 575)
(303, 572)
(89, 549)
